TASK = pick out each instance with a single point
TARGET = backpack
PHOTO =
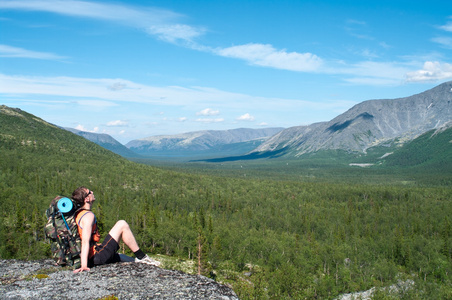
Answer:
(61, 229)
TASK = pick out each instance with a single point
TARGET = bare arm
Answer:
(86, 223)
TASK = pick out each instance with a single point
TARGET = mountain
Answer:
(370, 123)
(106, 141)
(234, 141)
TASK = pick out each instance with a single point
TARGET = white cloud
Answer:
(117, 86)
(10, 51)
(117, 123)
(267, 56)
(207, 120)
(432, 71)
(82, 128)
(174, 32)
(245, 117)
(208, 112)
(182, 119)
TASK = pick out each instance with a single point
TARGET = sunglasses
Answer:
(89, 193)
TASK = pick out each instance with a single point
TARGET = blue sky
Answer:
(133, 69)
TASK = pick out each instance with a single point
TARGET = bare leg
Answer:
(121, 230)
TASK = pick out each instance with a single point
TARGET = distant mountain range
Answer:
(198, 143)
(226, 142)
(372, 123)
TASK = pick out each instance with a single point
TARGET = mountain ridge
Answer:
(204, 140)
(368, 124)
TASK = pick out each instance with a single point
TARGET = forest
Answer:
(311, 234)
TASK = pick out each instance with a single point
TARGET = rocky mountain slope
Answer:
(42, 280)
(199, 140)
(368, 124)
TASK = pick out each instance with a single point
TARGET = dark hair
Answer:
(80, 194)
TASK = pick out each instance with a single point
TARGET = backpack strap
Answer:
(80, 219)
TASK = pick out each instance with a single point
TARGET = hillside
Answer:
(369, 124)
(433, 148)
(23, 132)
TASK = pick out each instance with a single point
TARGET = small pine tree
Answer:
(202, 247)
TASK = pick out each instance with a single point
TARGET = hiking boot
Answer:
(147, 260)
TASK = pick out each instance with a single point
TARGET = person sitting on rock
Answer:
(92, 253)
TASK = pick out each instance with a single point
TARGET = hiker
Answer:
(92, 253)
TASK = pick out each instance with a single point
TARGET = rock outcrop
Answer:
(43, 280)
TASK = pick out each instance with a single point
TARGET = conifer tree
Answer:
(202, 247)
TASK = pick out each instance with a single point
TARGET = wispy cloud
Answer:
(444, 41)
(174, 32)
(117, 86)
(95, 92)
(355, 28)
(208, 112)
(382, 70)
(103, 11)
(366, 72)
(166, 25)
(117, 123)
(94, 104)
(210, 120)
(10, 51)
(159, 22)
(267, 56)
(447, 26)
(94, 88)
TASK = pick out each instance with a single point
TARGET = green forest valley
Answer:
(268, 236)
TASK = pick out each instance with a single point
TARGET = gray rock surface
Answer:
(43, 280)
